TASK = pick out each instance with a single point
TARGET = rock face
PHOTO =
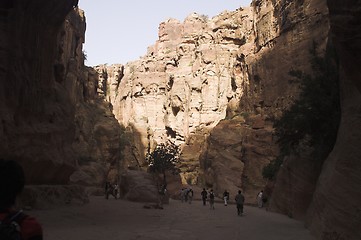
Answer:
(139, 186)
(235, 155)
(214, 86)
(335, 212)
(53, 120)
(37, 112)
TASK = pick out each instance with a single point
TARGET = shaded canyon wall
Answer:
(53, 121)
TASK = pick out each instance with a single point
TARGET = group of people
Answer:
(205, 194)
(186, 195)
(239, 199)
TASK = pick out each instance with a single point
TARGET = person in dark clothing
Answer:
(12, 181)
(107, 188)
(204, 196)
(239, 201)
(190, 195)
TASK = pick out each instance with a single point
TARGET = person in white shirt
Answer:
(260, 199)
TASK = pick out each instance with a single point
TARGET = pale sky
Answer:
(120, 31)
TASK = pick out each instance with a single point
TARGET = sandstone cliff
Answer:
(213, 86)
(37, 112)
(205, 78)
(52, 119)
(335, 212)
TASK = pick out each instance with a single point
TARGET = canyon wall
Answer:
(335, 212)
(53, 120)
(37, 112)
(215, 86)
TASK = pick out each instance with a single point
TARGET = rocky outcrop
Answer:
(302, 28)
(335, 212)
(235, 155)
(138, 186)
(53, 120)
(184, 82)
(37, 112)
(208, 72)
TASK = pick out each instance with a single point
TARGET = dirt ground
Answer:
(118, 219)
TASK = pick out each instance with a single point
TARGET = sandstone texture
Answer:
(138, 186)
(212, 86)
(53, 119)
(215, 86)
(335, 212)
(37, 109)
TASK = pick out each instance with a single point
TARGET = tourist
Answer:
(260, 199)
(116, 191)
(185, 193)
(162, 192)
(204, 196)
(190, 195)
(225, 197)
(12, 221)
(239, 201)
(106, 189)
(211, 199)
(182, 195)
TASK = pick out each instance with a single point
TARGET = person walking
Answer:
(260, 199)
(204, 196)
(181, 194)
(211, 199)
(226, 197)
(190, 195)
(239, 201)
(14, 224)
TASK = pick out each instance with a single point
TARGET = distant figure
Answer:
(182, 195)
(115, 191)
(14, 224)
(185, 193)
(190, 195)
(111, 190)
(204, 196)
(211, 199)
(162, 193)
(239, 201)
(225, 197)
(106, 189)
(260, 199)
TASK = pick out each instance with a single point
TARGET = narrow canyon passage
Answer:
(117, 219)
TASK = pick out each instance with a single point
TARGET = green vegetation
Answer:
(314, 118)
(164, 158)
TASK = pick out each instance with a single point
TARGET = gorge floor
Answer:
(118, 219)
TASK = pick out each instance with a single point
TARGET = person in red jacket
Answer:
(12, 181)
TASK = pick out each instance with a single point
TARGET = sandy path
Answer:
(117, 219)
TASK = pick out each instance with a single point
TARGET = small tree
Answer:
(164, 158)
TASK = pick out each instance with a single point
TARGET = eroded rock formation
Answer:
(205, 80)
(37, 111)
(213, 86)
(335, 212)
(53, 121)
